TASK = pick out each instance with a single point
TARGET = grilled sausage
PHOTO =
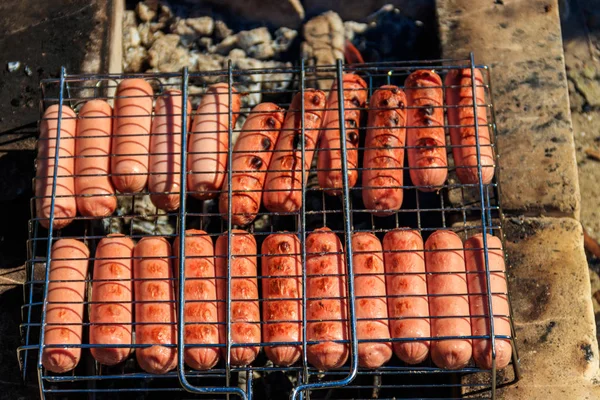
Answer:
(200, 300)
(329, 162)
(449, 302)
(155, 305)
(407, 294)
(209, 141)
(131, 140)
(92, 162)
(251, 157)
(371, 304)
(64, 313)
(283, 185)
(426, 139)
(110, 313)
(459, 93)
(245, 314)
(384, 151)
(165, 150)
(282, 297)
(326, 300)
(478, 300)
(65, 207)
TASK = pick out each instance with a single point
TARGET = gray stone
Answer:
(134, 59)
(324, 43)
(207, 62)
(203, 26)
(145, 12)
(221, 30)
(283, 39)
(147, 34)
(276, 81)
(537, 169)
(165, 56)
(225, 46)
(257, 43)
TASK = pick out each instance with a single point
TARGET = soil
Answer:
(581, 38)
(42, 37)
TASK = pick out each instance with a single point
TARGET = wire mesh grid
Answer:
(463, 208)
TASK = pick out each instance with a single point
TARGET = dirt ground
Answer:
(581, 37)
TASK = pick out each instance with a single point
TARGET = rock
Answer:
(251, 83)
(134, 59)
(226, 45)
(144, 12)
(589, 88)
(283, 39)
(147, 34)
(187, 34)
(352, 28)
(207, 62)
(165, 14)
(131, 37)
(203, 26)
(278, 13)
(276, 81)
(221, 30)
(236, 54)
(257, 43)
(576, 100)
(166, 56)
(129, 19)
(205, 43)
(324, 43)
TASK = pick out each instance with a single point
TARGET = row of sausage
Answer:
(129, 149)
(432, 297)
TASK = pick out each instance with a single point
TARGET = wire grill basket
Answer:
(466, 209)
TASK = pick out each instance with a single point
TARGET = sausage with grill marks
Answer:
(459, 93)
(407, 290)
(110, 313)
(251, 157)
(65, 207)
(155, 305)
(92, 162)
(426, 138)
(371, 303)
(283, 184)
(245, 313)
(201, 313)
(384, 151)
(64, 313)
(131, 140)
(281, 268)
(449, 301)
(326, 300)
(209, 141)
(165, 150)
(329, 162)
(474, 256)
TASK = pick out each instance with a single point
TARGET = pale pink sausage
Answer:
(245, 313)
(326, 300)
(283, 185)
(65, 207)
(201, 313)
(92, 162)
(64, 313)
(476, 278)
(459, 93)
(111, 321)
(165, 150)
(281, 268)
(448, 301)
(131, 140)
(407, 294)
(329, 162)
(426, 137)
(371, 304)
(155, 305)
(209, 141)
(250, 159)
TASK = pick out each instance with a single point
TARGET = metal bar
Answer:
(63, 75)
(229, 222)
(484, 226)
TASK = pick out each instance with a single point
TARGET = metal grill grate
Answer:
(463, 208)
